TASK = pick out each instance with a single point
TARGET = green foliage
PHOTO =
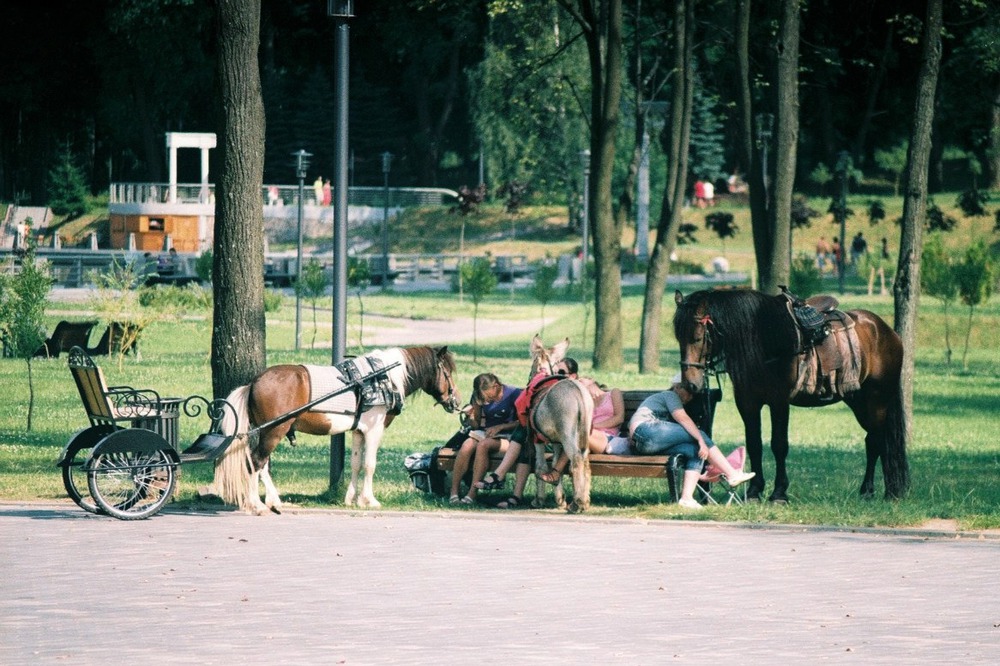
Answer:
(23, 297)
(822, 176)
(118, 300)
(203, 266)
(67, 187)
(312, 286)
(876, 211)
(802, 212)
(686, 234)
(938, 220)
(543, 287)
(273, 300)
(893, 160)
(707, 150)
(972, 202)
(805, 279)
(937, 279)
(974, 279)
(172, 298)
(478, 281)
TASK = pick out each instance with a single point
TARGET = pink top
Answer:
(605, 410)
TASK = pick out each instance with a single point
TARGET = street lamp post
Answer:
(840, 211)
(585, 163)
(341, 11)
(765, 130)
(386, 164)
(301, 166)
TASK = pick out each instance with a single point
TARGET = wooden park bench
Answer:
(642, 467)
(67, 334)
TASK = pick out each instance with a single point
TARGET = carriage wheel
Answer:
(75, 479)
(132, 486)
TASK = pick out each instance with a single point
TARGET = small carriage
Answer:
(125, 463)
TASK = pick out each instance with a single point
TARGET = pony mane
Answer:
(749, 330)
(422, 362)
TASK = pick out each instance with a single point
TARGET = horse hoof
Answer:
(276, 510)
(781, 500)
(575, 507)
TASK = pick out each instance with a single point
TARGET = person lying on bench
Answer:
(660, 426)
(609, 414)
(493, 412)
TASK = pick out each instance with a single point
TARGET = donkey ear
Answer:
(537, 346)
(442, 351)
(678, 297)
(559, 351)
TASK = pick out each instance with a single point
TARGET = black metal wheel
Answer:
(75, 477)
(130, 485)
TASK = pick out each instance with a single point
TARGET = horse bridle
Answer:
(706, 362)
(451, 401)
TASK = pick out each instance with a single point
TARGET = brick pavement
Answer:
(344, 587)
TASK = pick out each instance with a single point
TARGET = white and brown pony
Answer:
(561, 414)
(286, 389)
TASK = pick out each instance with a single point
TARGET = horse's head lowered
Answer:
(543, 358)
(694, 329)
(441, 384)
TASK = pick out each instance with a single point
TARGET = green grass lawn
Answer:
(954, 458)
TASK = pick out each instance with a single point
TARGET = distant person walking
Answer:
(326, 192)
(823, 251)
(318, 190)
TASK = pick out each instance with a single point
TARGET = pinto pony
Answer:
(285, 389)
(754, 338)
(561, 413)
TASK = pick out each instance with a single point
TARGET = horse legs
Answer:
(755, 448)
(872, 419)
(371, 439)
(253, 503)
(271, 498)
(357, 450)
(779, 448)
(540, 468)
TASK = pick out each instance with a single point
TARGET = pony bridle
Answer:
(451, 401)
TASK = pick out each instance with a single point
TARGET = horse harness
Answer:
(535, 395)
(370, 390)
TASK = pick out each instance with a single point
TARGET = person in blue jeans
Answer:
(661, 426)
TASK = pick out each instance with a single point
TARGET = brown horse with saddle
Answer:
(780, 351)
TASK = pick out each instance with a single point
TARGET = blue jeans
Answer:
(669, 438)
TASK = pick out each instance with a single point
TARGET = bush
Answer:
(805, 278)
(272, 300)
(169, 297)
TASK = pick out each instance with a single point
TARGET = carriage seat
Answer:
(110, 405)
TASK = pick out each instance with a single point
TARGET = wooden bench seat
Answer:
(640, 467)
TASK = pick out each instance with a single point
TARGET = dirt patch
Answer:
(940, 525)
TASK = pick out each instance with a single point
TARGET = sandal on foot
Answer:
(467, 500)
(511, 502)
(552, 477)
(454, 499)
(491, 481)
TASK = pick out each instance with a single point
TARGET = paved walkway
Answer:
(342, 587)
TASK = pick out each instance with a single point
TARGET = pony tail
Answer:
(895, 467)
(232, 474)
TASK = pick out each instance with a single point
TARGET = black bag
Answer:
(457, 439)
(424, 472)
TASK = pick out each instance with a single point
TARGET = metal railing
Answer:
(278, 195)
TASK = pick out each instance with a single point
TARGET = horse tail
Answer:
(895, 467)
(232, 474)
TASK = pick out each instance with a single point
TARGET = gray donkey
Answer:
(560, 413)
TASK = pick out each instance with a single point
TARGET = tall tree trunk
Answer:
(906, 288)
(873, 91)
(238, 337)
(608, 353)
(601, 24)
(745, 114)
(677, 133)
(994, 152)
(774, 266)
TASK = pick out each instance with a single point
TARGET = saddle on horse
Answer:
(828, 348)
